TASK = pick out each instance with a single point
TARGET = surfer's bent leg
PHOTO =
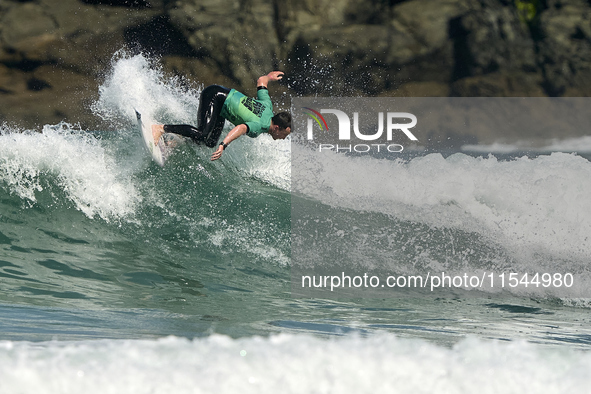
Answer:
(209, 121)
(185, 130)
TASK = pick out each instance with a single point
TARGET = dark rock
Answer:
(340, 60)
(490, 38)
(54, 53)
(120, 3)
(159, 37)
(497, 84)
(330, 56)
(419, 89)
(36, 84)
(238, 38)
(565, 48)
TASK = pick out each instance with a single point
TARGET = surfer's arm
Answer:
(264, 80)
(236, 132)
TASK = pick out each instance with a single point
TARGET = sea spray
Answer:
(534, 203)
(432, 214)
(139, 82)
(71, 160)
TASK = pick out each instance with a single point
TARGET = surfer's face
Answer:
(278, 133)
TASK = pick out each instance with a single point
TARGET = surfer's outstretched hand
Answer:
(218, 153)
(275, 75)
(272, 76)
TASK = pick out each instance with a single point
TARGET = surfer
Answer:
(250, 116)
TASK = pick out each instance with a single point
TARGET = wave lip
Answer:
(576, 144)
(540, 201)
(534, 211)
(62, 160)
(139, 82)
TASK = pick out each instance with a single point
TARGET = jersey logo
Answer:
(253, 106)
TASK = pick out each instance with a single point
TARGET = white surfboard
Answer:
(156, 149)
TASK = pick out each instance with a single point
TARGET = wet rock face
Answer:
(54, 53)
(565, 47)
(237, 37)
(489, 39)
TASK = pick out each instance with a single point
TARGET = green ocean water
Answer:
(186, 239)
(116, 273)
(106, 244)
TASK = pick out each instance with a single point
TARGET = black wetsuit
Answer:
(209, 122)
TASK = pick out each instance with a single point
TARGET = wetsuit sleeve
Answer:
(254, 129)
(263, 96)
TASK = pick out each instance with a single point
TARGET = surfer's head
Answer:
(280, 126)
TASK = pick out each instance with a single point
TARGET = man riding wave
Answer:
(250, 116)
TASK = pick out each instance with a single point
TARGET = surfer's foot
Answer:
(157, 131)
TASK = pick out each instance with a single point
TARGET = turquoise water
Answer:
(119, 274)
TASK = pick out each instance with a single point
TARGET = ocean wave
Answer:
(139, 82)
(569, 145)
(66, 159)
(455, 213)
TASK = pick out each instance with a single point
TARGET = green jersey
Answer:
(256, 113)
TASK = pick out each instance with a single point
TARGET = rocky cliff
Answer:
(54, 53)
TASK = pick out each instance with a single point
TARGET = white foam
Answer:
(139, 82)
(290, 364)
(241, 236)
(262, 158)
(532, 206)
(576, 144)
(75, 159)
